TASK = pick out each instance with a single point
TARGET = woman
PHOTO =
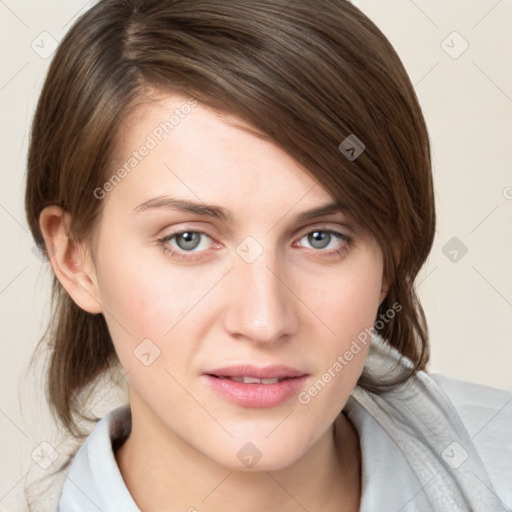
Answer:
(236, 198)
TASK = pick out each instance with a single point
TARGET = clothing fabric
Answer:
(454, 437)
(430, 444)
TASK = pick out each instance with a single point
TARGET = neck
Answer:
(161, 469)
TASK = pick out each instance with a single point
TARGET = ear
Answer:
(385, 286)
(71, 261)
(386, 278)
(384, 290)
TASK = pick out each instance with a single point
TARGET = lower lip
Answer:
(257, 395)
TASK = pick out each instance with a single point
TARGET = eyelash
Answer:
(346, 241)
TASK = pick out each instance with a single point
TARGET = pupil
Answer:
(319, 239)
(188, 241)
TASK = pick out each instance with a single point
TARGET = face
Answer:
(218, 263)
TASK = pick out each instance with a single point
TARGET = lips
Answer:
(254, 380)
(279, 372)
(250, 386)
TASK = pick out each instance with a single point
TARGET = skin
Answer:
(297, 304)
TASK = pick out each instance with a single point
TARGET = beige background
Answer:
(467, 101)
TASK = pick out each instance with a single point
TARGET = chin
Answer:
(260, 453)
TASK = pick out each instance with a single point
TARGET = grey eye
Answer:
(319, 239)
(188, 240)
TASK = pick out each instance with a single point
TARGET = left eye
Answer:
(189, 241)
(322, 239)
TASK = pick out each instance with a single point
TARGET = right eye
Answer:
(184, 243)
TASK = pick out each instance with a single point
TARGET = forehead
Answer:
(169, 144)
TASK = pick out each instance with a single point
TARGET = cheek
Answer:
(139, 301)
(136, 301)
(349, 309)
(348, 300)
(153, 301)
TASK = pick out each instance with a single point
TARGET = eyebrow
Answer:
(183, 205)
(322, 211)
(222, 214)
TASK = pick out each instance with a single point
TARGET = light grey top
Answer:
(408, 465)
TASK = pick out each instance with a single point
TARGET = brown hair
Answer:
(306, 75)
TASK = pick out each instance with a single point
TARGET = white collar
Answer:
(404, 435)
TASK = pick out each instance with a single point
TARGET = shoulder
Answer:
(94, 481)
(486, 413)
(456, 432)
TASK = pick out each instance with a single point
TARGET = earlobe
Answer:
(70, 260)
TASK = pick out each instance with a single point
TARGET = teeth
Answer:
(251, 380)
(254, 380)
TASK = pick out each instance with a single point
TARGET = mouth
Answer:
(250, 386)
(253, 380)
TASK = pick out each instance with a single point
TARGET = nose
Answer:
(261, 307)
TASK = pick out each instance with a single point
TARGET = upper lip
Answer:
(248, 370)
